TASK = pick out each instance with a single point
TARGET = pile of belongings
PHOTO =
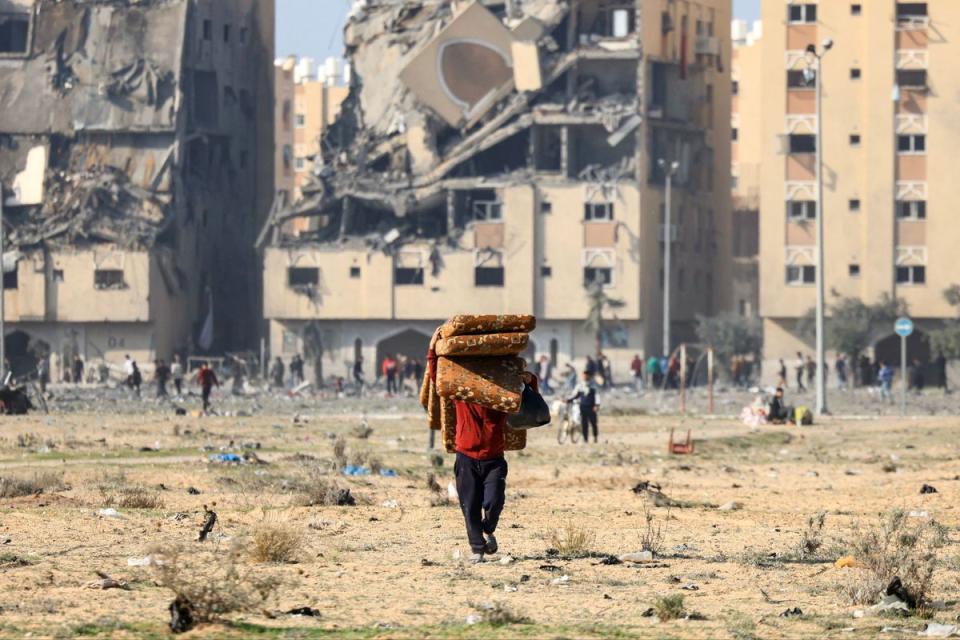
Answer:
(478, 362)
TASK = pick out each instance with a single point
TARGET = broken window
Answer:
(206, 99)
(487, 211)
(10, 280)
(598, 267)
(488, 271)
(303, 276)
(14, 33)
(548, 143)
(801, 79)
(58, 275)
(409, 269)
(598, 211)
(108, 279)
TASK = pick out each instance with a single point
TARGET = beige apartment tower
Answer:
(889, 142)
(501, 158)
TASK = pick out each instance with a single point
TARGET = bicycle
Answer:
(568, 421)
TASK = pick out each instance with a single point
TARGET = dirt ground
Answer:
(392, 566)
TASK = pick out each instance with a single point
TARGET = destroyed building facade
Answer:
(501, 157)
(133, 187)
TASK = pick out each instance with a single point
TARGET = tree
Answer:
(731, 335)
(945, 342)
(599, 302)
(853, 325)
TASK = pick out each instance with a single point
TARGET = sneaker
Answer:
(491, 544)
(476, 558)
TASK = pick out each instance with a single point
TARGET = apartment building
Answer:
(132, 184)
(503, 158)
(307, 103)
(889, 85)
(746, 112)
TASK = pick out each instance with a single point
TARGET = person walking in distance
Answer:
(277, 372)
(841, 366)
(358, 375)
(78, 367)
(136, 378)
(480, 468)
(176, 371)
(885, 377)
(636, 366)
(782, 375)
(161, 373)
(207, 379)
(589, 398)
(800, 367)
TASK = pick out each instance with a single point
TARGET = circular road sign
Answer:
(903, 327)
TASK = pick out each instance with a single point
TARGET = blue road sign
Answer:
(904, 327)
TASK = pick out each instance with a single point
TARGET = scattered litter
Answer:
(209, 521)
(355, 470)
(792, 613)
(308, 612)
(610, 561)
(890, 604)
(645, 485)
(109, 512)
(638, 557)
(549, 567)
(181, 615)
(919, 514)
(106, 582)
(509, 588)
(846, 562)
(389, 473)
(452, 491)
(390, 504)
(456, 554)
(193, 491)
(937, 630)
(730, 506)
(690, 587)
(473, 619)
(505, 560)
(145, 561)
(561, 581)
(428, 563)
(927, 489)
(226, 458)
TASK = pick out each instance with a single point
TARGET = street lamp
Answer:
(669, 169)
(815, 58)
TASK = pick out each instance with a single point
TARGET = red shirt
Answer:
(207, 378)
(479, 430)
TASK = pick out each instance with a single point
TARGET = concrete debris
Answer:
(449, 101)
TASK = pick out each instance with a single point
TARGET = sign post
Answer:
(904, 329)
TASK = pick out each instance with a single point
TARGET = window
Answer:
(801, 13)
(912, 78)
(14, 33)
(803, 143)
(592, 275)
(354, 272)
(735, 88)
(546, 272)
(854, 204)
(488, 269)
(854, 139)
(407, 276)
(734, 134)
(801, 79)
(226, 33)
(58, 275)
(300, 164)
(802, 210)
(546, 207)
(855, 73)
(303, 276)
(487, 211)
(287, 156)
(854, 270)
(856, 9)
(911, 275)
(907, 11)
(301, 121)
(912, 209)
(108, 279)
(801, 275)
(207, 30)
(911, 144)
(598, 211)
(11, 280)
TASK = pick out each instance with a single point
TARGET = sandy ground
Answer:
(389, 567)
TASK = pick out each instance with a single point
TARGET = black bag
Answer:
(533, 413)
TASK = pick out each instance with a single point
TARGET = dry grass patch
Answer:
(276, 542)
(573, 541)
(669, 607)
(131, 497)
(13, 487)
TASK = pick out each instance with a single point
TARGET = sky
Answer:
(314, 27)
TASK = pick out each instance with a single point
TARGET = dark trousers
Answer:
(800, 380)
(206, 397)
(482, 486)
(588, 418)
(178, 383)
(391, 383)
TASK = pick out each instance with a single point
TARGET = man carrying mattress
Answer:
(481, 468)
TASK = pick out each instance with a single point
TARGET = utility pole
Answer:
(669, 170)
(3, 295)
(815, 57)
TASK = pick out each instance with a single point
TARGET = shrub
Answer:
(276, 542)
(669, 607)
(812, 537)
(11, 487)
(318, 491)
(572, 542)
(132, 497)
(651, 538)
(497, 614)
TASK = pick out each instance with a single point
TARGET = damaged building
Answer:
(133, 189)
(502, 157)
